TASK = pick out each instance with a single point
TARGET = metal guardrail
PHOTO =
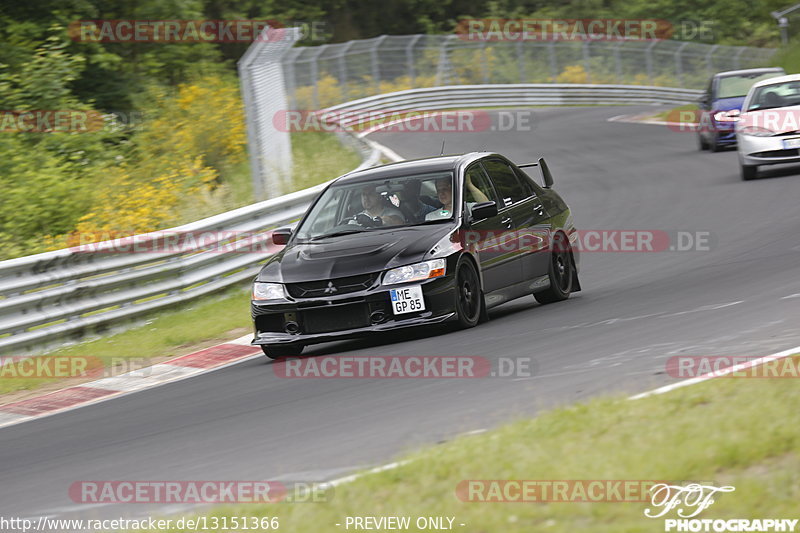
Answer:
(516, 95)
(47, 299)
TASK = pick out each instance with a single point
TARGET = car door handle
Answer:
(506, 222)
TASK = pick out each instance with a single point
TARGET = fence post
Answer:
(412, 73)
(648, 57)
(679, 63)
(376, 68)
(551, 55)
(484, 63)
(618, 61)
(342, 64)
(315, 75)
(587, 65)
(736, 62)
(709, 60)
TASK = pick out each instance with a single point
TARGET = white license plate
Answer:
(407, 300)
(788, 144)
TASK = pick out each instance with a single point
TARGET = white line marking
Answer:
(795, 295)
(718, 373)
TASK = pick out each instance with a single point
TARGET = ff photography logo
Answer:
(690, 500)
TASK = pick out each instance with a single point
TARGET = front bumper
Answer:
(355, 314)
(765, 151)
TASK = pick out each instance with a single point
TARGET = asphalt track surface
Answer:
(742, 297)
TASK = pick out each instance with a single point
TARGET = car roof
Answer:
(779, 79)
(414, 166)
(747, 71)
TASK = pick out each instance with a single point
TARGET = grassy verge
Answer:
(739, 432)
(319, 157)
(168, 333)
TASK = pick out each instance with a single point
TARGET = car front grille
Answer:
(335, 318)
(792, 152)
(323, 288)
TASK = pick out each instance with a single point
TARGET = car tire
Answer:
(469, 302)
(714, 145)
(561, 272)
(749, 172)
(279, 351)
(702, 143)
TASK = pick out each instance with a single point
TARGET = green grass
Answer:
(166, 333)
(319, 157)
(740, 432)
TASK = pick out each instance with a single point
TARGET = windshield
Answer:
(365, 205)
(775, 95)
(737, 86)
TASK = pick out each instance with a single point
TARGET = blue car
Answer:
(722, 102)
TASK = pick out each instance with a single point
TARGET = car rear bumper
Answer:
(315, 320)
(765, 151)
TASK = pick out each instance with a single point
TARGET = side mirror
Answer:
(483, 210)
(546, 176)
(281, 236)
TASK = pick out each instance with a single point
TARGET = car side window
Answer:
(477, 176)
(508, 186)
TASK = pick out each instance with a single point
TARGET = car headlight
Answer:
(756, 131)
(725, 116)
(415, 272)
(268, 291)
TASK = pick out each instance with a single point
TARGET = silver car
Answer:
(768, 129)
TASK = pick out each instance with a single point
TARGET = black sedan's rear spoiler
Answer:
(546, 175)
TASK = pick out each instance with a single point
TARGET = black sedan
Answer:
(413, 243)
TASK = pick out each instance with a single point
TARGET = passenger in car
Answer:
(412, 205)
(377, 211)
(444, 190)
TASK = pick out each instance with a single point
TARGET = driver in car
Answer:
(377, 211)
